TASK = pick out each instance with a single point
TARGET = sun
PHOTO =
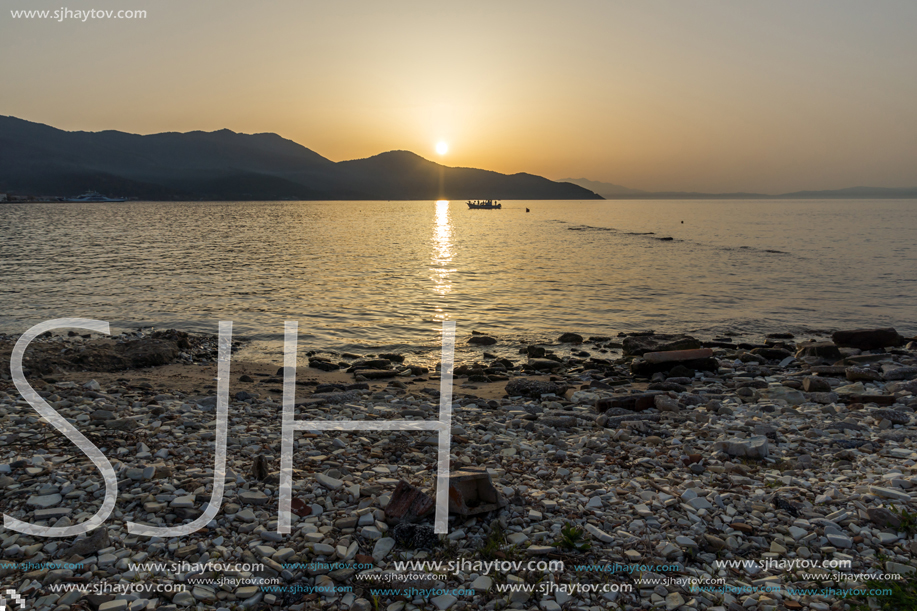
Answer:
(442, 148)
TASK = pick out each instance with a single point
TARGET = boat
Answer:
(487, 204)
(94, 196)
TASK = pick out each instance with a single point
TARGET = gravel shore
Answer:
(644, 463)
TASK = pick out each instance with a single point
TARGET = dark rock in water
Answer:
(638, 345)
(635, 403)
(868, 339)
(772, 354)
(535, 352)
(779, 336)
(323, 365)
(246, 379)
(482, 340)
(375, 374)
(814, 384)
(653, 362)
(371, 364)
(570, 338)
(825, 350)
(533, 388)
(391, 356)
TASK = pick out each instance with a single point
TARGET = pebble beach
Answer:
(659, 471)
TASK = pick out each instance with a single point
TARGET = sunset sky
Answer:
(709, 96)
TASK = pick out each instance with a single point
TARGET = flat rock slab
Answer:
(753, 447)
(45, 501)
(867, 339)
(641, 344)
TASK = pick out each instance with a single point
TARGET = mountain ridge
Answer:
(42, 160)
(614, 191)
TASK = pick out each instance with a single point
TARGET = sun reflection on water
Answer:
(442, 255)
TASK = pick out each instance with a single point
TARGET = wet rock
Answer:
(868, 339)
(825, 350)
(323, 365)
(653, 362)
(482, 340)
(641, 344)
(544, 364)
(570, 338)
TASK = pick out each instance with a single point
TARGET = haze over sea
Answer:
(380, 276)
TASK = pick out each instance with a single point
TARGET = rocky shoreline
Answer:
(642, 450)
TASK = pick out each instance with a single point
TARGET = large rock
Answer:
(753, 447)
(825, 350)
(533, 388)
(471, 491)
(814, 384)
(868, 339)
(408, 504)
(639, 345)
(544, 364)
(653, 362)
(98, 539)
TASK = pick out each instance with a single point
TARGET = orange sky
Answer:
(694, 95)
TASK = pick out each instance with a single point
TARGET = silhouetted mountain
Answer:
(605, 189)
(857, 193)
(41, 160)
(611, 191)
(406, 175)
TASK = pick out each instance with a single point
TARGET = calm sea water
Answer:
(368, 276)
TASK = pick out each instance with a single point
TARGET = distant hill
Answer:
(605, 189)
(40, 160)
(613, 191)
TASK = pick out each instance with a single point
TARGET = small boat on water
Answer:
(487, 204)
(94, 196)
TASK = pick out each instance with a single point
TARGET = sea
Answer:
(370, 277)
